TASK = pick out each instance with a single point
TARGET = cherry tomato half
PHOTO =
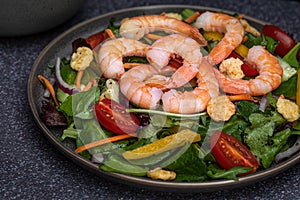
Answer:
(230, 152)
(113, 117)
(286, 42)
(246, 68)
(96, 39)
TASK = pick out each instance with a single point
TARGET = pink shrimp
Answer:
(196, 100)
(162, 50)
(232, 27)
(134, 87)
(112, 51)
(269, 78)
(137, 27)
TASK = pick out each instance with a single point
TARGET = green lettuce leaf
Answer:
(260, 136)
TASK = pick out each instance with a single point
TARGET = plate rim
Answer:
(138, 181)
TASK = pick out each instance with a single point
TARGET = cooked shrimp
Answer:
(161, 51)
(134, 87)
(196, 100)
(232, 27)
(269, 77)
(137, 27)
(112, 51)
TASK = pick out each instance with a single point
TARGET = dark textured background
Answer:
(31, 168)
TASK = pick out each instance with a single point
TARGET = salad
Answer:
(184, 97)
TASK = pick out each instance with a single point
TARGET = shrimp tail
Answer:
(196, 35)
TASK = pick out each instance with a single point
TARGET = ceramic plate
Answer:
(61, 46)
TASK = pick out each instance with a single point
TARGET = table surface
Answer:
(32, 168)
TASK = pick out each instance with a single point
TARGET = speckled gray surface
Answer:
(31, 168)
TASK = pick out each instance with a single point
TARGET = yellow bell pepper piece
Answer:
(213, 36)
(164, 144)
(242, 50)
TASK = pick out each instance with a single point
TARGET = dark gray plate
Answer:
(61, 46)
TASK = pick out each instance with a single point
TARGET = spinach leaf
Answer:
(215, 172)
(278, 142)
(135, 59)
(70, 132)
(61, 95)
(246, 108)
(235, 126)
(287, 88)
(271, 101)
(262, 40)
(118, 164)
(257, 138)
(187, 13)
(79, 102)
(291, 56)
(92, 132)
(189, 166)
(258, 119)
(67, 73)
(114, 28)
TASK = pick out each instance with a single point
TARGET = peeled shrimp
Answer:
(162, 50)
(137, 27)
(269, 77)
(232, 27)
(134, 87)
(112, 51)
(196, 100)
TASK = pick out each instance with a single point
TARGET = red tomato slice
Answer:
(246, 68)
(230, 152)
(96, 39)
(286, 42)
(113, 117)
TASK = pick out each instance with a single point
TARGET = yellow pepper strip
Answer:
(242, 50)
(298, 89)
(49, 86)
(213, 36)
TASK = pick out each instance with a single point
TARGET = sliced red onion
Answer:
(289, 152)
(69, 89)
(263, 103)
